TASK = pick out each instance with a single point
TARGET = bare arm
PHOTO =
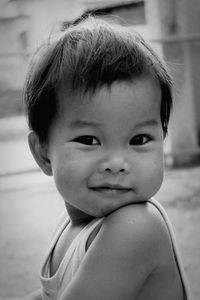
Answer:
(32, 296)
(121, 257)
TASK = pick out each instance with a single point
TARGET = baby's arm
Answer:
(37, 295)
(32, 296)
(131, 245)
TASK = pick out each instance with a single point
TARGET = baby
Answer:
(98, 102)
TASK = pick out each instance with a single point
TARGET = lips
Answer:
(111, 189)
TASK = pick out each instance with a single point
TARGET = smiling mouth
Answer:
(112, 190)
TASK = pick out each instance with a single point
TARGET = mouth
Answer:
(111, 189)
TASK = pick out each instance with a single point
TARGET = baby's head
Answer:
(98, 102)
(87, 56)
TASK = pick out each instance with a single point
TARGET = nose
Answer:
(115, 165)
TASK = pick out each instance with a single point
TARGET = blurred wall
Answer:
(24, 24)
(175, 26)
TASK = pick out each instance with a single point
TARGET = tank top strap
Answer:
(62, 223)
(88, 230)
(77, 249)
(175, 248)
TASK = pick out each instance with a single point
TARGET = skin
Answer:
(111, 138)
(105, 152)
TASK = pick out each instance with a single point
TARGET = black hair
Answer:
(90, 54)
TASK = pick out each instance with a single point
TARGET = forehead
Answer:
(121, 101)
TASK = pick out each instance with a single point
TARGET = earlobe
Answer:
(40, 153)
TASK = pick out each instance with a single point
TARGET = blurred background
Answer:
(29, 203)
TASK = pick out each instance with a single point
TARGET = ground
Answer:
(11, 103)
(30, 206)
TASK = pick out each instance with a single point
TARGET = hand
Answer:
(33, 296)
(29, 297)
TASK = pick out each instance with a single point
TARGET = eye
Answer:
(140, 139)
(87, 140)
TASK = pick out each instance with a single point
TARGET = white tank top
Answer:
(54, 286)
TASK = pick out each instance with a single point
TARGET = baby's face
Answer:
(106, 149)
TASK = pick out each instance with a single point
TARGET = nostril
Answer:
(112, 170)
(115, 165)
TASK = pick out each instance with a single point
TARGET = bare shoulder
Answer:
(139, 225)
(132, 236)
(146, 244)
(133, 213)
(130, 253)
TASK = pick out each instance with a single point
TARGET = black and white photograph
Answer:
(99, 150)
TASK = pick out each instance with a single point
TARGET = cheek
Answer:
(71, 171)
(157, 175)
(61, 178)
(152, 174)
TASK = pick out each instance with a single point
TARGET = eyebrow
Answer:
(84, 123)
(150, 122)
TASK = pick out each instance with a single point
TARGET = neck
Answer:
(78, 218)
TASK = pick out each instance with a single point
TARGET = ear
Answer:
(40, 153)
